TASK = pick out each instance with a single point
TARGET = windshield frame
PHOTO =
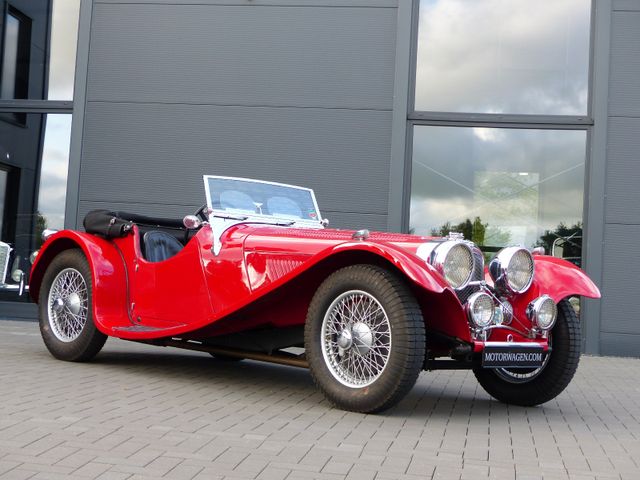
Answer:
(258, 217)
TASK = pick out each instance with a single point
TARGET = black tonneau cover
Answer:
(111, 224)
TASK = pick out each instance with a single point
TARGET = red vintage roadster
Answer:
(255, 274)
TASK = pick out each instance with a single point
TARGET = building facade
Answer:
(511, 121)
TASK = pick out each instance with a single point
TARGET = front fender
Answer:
(560, 279)
(109, 278)
(416, 269)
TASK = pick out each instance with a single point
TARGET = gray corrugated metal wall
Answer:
(620, 320)
(300, 91)
(292, 91)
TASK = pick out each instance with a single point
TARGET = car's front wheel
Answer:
(528, 387)
(364, 338)
(65, 304)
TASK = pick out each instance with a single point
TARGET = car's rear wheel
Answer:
(528, 387)
(364, 338)
(66, 314)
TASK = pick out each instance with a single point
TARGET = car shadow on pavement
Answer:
(435, 395)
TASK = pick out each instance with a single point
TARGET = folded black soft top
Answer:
(111, 224)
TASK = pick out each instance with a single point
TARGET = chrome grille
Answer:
(476, 276)
(5, 250)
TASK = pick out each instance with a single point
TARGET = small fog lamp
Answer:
(480, 309)
(543, 312)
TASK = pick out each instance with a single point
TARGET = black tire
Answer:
(534, 387)
(403, 327)
(65, 338)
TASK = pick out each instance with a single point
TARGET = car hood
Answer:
(311, 241)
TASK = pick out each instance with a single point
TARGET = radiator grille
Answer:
(477, 275)
(5, 250)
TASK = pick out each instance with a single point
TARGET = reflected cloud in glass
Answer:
(503, 56)
(519, 183)
(64, 36)
(54, 168)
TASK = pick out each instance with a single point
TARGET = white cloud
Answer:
(503, 56)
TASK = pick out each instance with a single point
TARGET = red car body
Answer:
(196, 294)
(267, 280)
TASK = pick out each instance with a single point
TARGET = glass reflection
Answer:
(62, 59)
(34, 159)
(53, 171)
(38, 53)
(500, 186)
(503, 56)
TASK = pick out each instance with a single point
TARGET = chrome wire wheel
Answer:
(356, 339)
(67, 305)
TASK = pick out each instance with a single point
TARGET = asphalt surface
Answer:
(142, 412)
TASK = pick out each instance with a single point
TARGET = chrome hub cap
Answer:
(345, 339)
(356, 339)
(58, 305)
(68, 304)
(362, 338)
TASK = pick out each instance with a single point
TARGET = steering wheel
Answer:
(201, 213)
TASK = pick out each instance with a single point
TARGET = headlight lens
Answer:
(512, 269)
(480, 309)
(543, 312)
(17, 275)
(452, 258)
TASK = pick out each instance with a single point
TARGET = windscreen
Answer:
(255, 198)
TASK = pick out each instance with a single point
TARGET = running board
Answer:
(281, 358)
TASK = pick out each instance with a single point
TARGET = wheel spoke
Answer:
(364, 325)
(68, 290)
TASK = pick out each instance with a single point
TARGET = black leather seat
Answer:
(159, 246)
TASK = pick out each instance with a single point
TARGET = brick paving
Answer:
(140, 412)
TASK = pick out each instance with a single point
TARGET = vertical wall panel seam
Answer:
(399, 116)
(596, 186)
(79, 109)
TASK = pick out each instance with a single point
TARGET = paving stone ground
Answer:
(140, 412)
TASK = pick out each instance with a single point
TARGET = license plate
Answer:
(512, 355)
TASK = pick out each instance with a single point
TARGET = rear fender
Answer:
(109, 279)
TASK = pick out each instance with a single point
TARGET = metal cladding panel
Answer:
(624, 86)
(620, 345)
(243, 55)
(623, 171)
(157, 154)
(633, 5)
(620, 280)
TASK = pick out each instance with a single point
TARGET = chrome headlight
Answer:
(453, 259)
(512, 269)
(480, 309)
(543, 312)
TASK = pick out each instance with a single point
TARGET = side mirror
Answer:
(191, 222)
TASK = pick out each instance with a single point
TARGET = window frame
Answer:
(489, 120)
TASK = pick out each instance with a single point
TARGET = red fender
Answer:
(416, 269)
(559, 279)
(109, 279)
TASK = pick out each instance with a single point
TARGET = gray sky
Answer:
(503, 56)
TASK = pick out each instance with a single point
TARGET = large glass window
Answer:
(503, 56)
(62, 58)
(500, 122)
(38, 49)
(37, 62)
(498, 186)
